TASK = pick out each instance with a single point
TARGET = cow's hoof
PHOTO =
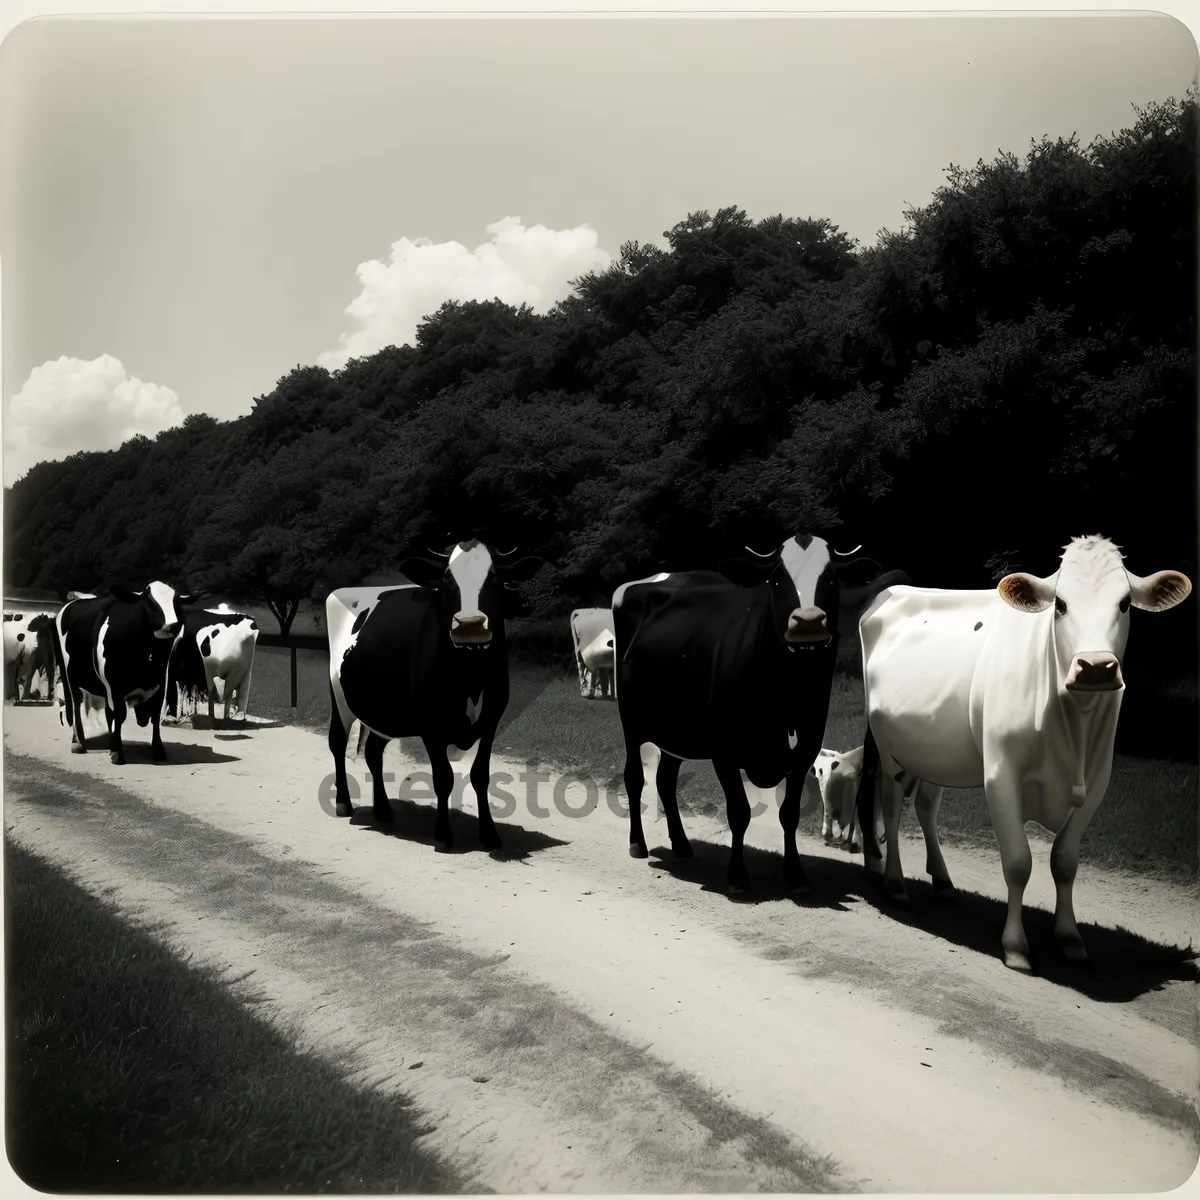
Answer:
(1073, 951)
(854, 848)
(1016, 960)
(943, 888)
(897, 893)
(117, 760)
(638, 851)
(76, 748)
(682, 850)
(490, 841)
(443, 836)
(344, 810)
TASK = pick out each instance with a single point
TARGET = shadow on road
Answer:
(1123, 965)
(179, 754)
(413, 822)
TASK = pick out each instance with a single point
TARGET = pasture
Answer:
(1148, 821)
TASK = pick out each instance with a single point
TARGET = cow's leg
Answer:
(1003, 793)
(666, 779)
(928, 797)
(737, 812)
(381, 809)
(243, 699)
(1064, 862)
(789, 820)
(893, 871)
(480, 780)
(78, 744)
(158, 752)
(337, 747)
(813, 784)
(227, 689)
(443, 787)
(635, 782)
(116, 746)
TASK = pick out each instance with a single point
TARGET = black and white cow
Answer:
(216, 643)
(425, 659)
(117, 647)
(735, 667)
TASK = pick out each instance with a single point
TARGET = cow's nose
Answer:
(470, 627)
(171, 629)
(1098, 671)
(807, 625)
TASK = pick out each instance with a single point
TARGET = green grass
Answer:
(129, 1069)
(1146, 822)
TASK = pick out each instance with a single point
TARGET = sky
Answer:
(191, 208)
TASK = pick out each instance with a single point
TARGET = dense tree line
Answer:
(1016, 366)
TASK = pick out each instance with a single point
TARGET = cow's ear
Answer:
(745, 573)
(1160, 591)
(522, 570)
(424, 572)
(1026, 593)
(124, 594)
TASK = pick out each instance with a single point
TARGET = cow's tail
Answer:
(864, 801)
(60, 661)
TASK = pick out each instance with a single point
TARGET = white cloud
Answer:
(518, 265)
(71, 404)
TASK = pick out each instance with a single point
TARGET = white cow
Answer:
(1015, 689)
(592, 636)
(216, 643)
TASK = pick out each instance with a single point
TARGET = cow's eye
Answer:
(1060, 606)
(1124, 605)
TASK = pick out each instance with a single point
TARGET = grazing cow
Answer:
(118, 647)
(732, 666)
(424, 659)
(216, 643)
(1016, 689)
(592, 635)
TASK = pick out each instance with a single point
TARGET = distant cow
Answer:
(732, 666)
(118, 647)
(216, 643)
(17, 644)
(426, 659)
(1015, 689)
(592, 636)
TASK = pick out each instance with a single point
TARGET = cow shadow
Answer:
(1122, 965)
(231, 726)
(414, 822)
(179, 754)
(707, 871)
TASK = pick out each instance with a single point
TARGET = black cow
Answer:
(424, 659)
(734, 666)
(117, 647)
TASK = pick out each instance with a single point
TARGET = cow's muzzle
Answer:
(470, 629)
(168, 631)
(1097, 671)
(807, 627)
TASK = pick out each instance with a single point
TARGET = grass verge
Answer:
(131, 1070)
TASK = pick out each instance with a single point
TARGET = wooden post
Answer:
(293, 676)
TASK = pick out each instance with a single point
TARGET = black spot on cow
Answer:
(206, 646)
(360, 620)
(834, 766)
(20, 637)
(978, 626)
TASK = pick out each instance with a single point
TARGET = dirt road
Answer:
(571, 1019)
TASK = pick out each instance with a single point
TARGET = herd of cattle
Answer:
(1015, 689)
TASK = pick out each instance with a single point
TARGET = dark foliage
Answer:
(1013, 368)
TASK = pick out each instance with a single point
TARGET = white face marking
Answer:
(792, 739)
(474, 708)
(164, 595)
(470, 570)
(805, 567)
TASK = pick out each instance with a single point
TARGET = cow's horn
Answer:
(771, 554)
(847, 553)
(505, 553)
(439, 554)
